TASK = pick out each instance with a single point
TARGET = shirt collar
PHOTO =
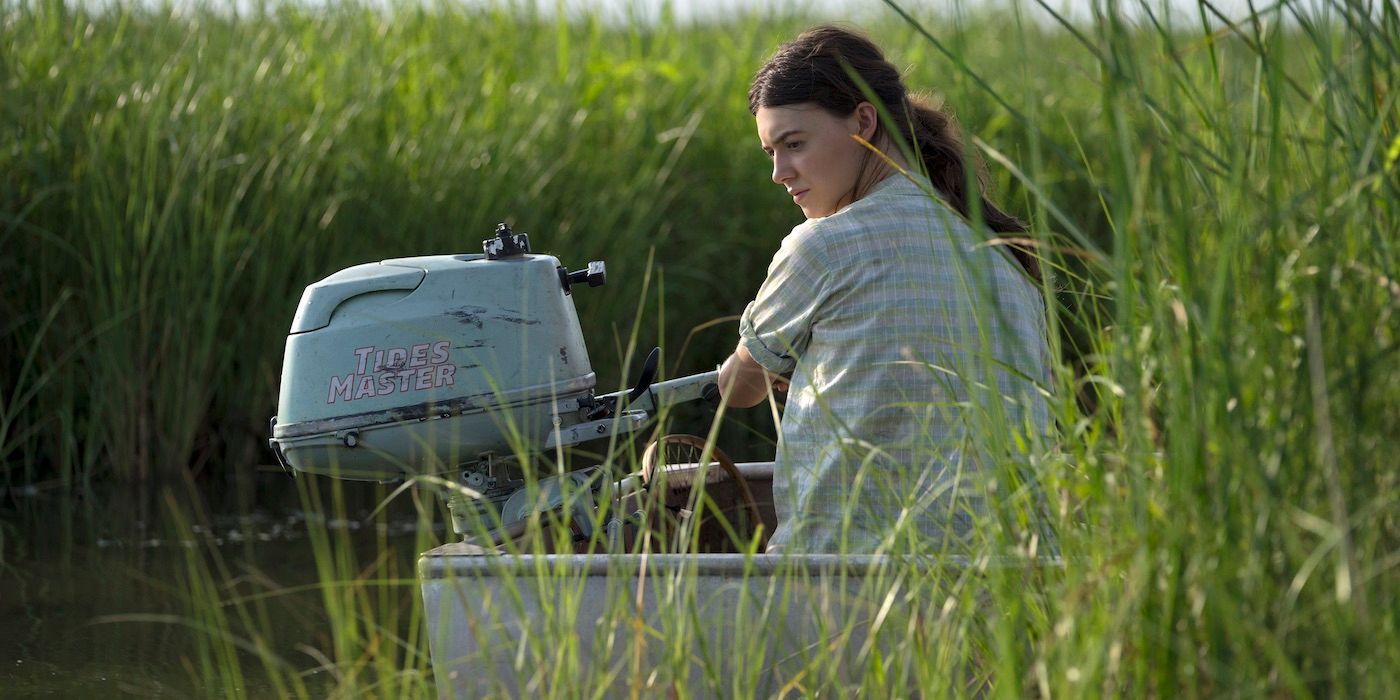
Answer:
(897, 181)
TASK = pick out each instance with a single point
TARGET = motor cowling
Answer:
(417, 365)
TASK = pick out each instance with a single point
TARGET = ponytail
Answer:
(938, 143)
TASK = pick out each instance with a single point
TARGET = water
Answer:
(108, 611)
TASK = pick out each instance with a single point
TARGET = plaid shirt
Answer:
(891, 316)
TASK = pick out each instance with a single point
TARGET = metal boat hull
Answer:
(721, 625)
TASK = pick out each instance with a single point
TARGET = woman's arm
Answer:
(742, 381)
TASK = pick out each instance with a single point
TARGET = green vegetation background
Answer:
(1219, 201)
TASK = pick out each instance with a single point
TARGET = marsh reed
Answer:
(1215, 195)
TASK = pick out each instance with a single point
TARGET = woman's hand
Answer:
(744, 383)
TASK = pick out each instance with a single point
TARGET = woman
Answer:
(905, 337)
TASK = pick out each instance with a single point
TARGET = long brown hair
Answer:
(818, 67)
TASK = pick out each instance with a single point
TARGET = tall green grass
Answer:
(184, 174)
(1216, 195)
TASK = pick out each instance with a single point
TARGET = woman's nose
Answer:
(782, 170)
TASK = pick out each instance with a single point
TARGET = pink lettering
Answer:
(396, 358)
(363, 354)
(440, 352)
(420, 356)
(383, 371)
(340, 387)
(365, 388)
(445, 375)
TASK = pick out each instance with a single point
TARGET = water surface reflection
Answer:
(134, 591)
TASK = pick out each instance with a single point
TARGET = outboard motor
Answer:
(451, 365)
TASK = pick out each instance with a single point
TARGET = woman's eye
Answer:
(794, 145)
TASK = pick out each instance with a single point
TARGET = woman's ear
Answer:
(867, 118)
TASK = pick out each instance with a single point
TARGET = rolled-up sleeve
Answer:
(777, 325)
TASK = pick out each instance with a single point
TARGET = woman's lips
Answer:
(797, 196)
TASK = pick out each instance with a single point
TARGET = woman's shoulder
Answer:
(902, 193)
(863, 212)
(897, 203)
(816, 233)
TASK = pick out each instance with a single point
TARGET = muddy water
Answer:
(94, 592)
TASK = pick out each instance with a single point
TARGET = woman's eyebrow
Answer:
(783, 136)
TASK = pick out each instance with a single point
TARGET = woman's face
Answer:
(814, 157)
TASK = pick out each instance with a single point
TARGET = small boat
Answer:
(724, 624)
(460, 371)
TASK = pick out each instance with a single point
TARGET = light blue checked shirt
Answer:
(908, 340)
